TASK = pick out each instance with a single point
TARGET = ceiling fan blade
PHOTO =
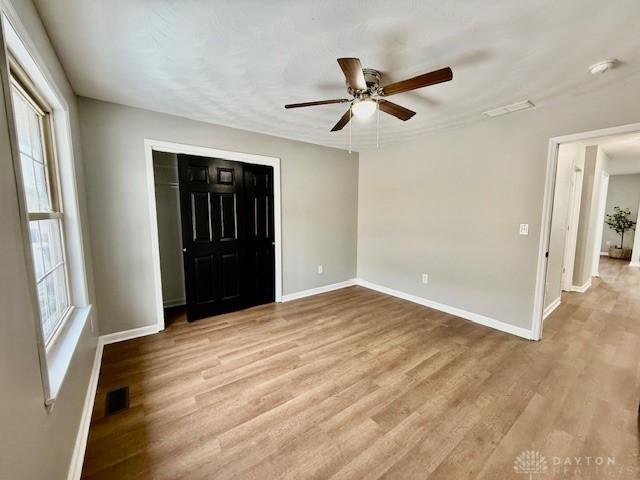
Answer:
(320, 102)
(353, 73)
(424, 80)
(396, 110)
(343, 121)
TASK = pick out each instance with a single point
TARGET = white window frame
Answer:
(55, 357)
(23, 86)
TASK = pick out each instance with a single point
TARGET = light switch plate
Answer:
(425, 278)
(524, 229)
(320, 269)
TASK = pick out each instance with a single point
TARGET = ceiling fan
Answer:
(363, 84)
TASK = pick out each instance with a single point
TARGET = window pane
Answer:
(46, 244)
(62, 297)
(35, 130)
(29, 130)
(42, 192)
(22, 123)
(45, 316)
(41, 247)
(53, 299)
(29, 182)
(53, 296)
(36, 248)
(50, 231)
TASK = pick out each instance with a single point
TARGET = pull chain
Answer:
(377, 123)
(350, 122)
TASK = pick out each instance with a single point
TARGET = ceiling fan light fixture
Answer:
(363, 85)
(363, 109)
(603, 66)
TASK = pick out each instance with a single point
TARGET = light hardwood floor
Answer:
(356, 384)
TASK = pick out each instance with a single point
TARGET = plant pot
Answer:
(622, 253)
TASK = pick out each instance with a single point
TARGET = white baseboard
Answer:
(315, 291)
(552, 306)
(129, 334)
(634, 264)
(580, 288)
(604, 254)
(458, 312)
(77, 459)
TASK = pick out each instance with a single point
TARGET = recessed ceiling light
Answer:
(603, 66)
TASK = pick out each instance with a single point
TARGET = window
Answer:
(42, 151)
(41, 186)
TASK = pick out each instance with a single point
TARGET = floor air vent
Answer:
(117, 401)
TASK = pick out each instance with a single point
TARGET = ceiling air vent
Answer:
(514, 107)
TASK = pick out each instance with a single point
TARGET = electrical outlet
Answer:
(425, 278)
(320, 269)
(524, 229)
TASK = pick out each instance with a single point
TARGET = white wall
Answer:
(570, 155)
(35, 444)
(624, 192)
(319, 188)
(450, 203)
(596, 162)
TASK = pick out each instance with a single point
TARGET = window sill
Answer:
(61, 352)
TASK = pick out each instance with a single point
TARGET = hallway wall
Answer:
(624, 192)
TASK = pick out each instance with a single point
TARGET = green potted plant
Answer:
(620, 223)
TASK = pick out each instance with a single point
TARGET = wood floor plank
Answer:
(357, 384)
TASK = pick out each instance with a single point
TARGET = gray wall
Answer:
(624, 192)
(165, 174)
(35, 443)
(449, 204)
(319, 188)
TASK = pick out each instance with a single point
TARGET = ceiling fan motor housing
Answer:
(372, 77)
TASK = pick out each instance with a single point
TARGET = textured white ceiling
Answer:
(237, 62)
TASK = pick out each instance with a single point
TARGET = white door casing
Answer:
(571, 238)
